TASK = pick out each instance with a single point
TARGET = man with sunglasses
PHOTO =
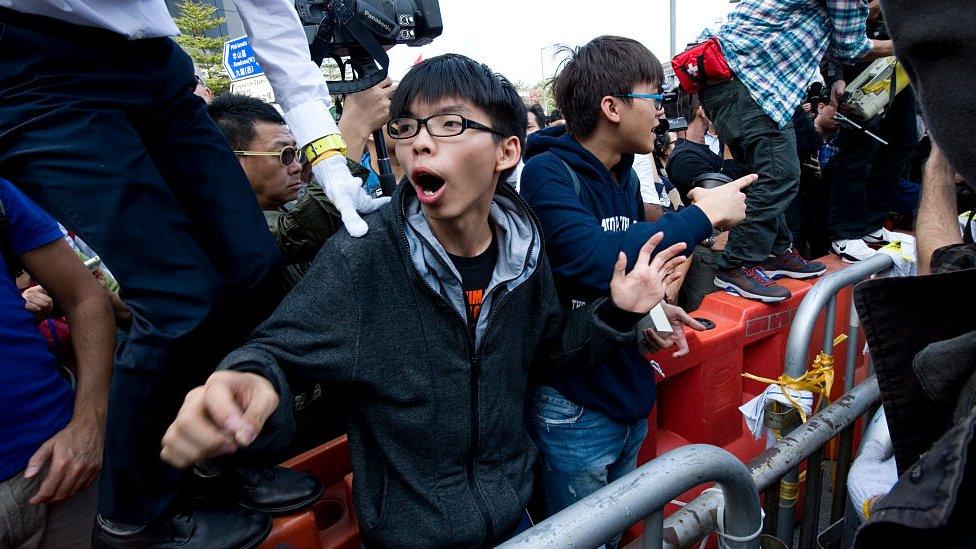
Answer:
(589, 423)
(276, 170)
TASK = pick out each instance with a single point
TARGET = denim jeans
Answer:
(580, 450)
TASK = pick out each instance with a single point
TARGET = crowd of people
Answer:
(482, 334)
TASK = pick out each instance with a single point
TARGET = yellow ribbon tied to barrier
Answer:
(818, 380)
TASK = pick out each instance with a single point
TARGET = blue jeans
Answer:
(580, 450)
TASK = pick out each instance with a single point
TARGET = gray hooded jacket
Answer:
(438, 447)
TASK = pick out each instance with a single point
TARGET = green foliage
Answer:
(194, 21)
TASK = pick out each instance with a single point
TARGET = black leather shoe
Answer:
(198, 529)
(272, 490)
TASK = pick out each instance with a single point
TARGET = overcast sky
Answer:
(513, 37)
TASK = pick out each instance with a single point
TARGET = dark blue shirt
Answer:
(585, 231)
(37, 401)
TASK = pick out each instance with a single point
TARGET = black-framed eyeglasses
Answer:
(657, 97)
(439, 125)
(199, 80)
(286, 155)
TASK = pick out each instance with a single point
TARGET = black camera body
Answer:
(391, 22)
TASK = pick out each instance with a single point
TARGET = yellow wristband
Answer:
(323, 156)
(333, 142)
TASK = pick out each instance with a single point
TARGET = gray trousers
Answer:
(63, 525)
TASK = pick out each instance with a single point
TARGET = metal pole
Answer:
(829, 320)
(853, 324)
(814, 302)
(674, 26)
(610, 510)
(697, 518)
(654, 530)
(811, 506)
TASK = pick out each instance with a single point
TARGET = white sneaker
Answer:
(881, 237)
(851, 251)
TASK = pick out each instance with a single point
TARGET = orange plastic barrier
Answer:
(697, 402)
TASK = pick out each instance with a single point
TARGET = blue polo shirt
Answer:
(37, 401)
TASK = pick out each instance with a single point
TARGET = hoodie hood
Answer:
(519, 248)
(556, 140)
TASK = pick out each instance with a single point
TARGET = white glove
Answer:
(346, 193)
(872, 474)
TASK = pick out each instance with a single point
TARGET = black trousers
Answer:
(863, 173)
(106, 135)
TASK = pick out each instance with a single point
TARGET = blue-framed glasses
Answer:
(657, 97)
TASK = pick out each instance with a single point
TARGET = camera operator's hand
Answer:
(837, 90)
(346, 193)
(218, 418)
(724, 206)
(363, 113)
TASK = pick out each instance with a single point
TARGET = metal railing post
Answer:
(816, 299)
(697, 518)
(644, 492)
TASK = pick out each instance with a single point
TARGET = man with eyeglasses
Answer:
(429, 328)
(589, 423)
(100, 126)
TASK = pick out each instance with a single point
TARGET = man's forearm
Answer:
(93, 340)
(936, 225)
(355, 140)
(879, 48)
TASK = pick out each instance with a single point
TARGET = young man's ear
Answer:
(610, 108)
(509, 153)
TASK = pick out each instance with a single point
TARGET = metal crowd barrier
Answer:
(776, 471)
(642, 495)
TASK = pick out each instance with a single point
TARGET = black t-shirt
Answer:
(689, 160)
(475, 276)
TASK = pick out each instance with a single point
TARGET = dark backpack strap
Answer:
(572, 174)
(634, 184)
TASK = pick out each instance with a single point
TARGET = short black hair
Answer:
(606, 65)
(538, 113)
(455, 75)
(237, 115)
(556, 114)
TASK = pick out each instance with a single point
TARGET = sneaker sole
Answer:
(795, 275)
(749, 295)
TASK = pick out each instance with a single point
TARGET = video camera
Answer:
(669, 123)
(362, 30)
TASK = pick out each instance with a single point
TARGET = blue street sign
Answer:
(239, 59)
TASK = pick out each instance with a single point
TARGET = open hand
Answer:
(644, 286)
(218, 418)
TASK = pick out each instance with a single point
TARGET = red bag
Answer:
(700, 65)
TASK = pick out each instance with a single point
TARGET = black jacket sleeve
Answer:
(582, 336)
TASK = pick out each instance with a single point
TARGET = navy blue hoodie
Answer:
(585, 232)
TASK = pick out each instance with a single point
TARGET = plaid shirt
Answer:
(775, 46)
